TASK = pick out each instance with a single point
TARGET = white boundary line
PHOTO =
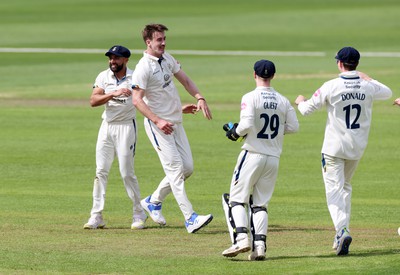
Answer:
(194, 52)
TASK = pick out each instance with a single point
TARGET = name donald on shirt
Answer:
(350, 96)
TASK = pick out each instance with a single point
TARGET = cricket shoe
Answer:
(196, 222)
(95, 222)
(258, 254)
(139, 221)
(239, 247)
(343, 242)
(154, 210)
(335, 243)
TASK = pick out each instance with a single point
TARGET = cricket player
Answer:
(348, 100)
(265, 117)
(156, 97)
(117, 135)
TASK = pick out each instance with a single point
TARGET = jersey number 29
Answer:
(269, 122)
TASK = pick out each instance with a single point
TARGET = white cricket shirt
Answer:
(155, 77)
(265, 117)
(348, 100)
(121, 108)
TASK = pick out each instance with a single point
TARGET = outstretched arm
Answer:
(299, 99)
(192, 89)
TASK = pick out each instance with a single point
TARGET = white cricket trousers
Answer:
(337, 174)
(254, 174)
(177, 161)
(116, 139)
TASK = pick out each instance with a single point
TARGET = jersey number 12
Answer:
(348, 109)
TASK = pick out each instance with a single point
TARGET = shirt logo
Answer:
(317, 92)
(243, 106)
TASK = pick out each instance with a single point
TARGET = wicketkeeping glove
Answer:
(230, 129)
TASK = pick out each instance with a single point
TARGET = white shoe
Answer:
(240, 247)
(196, 222)
(335, 243)
(343, 242)
(259, 252)
(139, 221)
(154, 210)
(95, 222)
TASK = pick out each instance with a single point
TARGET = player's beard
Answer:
(117, 67)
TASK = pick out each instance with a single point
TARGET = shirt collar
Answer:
(263, 88)
(152, 57)
(349, 75)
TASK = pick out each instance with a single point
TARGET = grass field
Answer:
(48, 134)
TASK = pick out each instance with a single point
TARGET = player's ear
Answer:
(148, 41)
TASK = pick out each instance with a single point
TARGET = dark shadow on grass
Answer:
(376, 252)
(278, 228)
(151, 227)
(219, 231)
(359, 254)
(273, 228)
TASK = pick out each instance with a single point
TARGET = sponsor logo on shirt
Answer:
(166, 84)
(352, 84)
(119, 100)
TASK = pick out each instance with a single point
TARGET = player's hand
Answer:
(299, 99)
(122, 92)
(202, 105)
(227, 126)
(364, 76)
(397, 101)
(189, 109)
(165, 126)
(231, 133)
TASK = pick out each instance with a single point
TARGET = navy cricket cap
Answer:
(264, 68)
(119, 51)
(348, 55)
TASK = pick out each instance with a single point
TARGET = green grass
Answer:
(48, 134)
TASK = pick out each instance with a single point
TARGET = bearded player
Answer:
(117, 136)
